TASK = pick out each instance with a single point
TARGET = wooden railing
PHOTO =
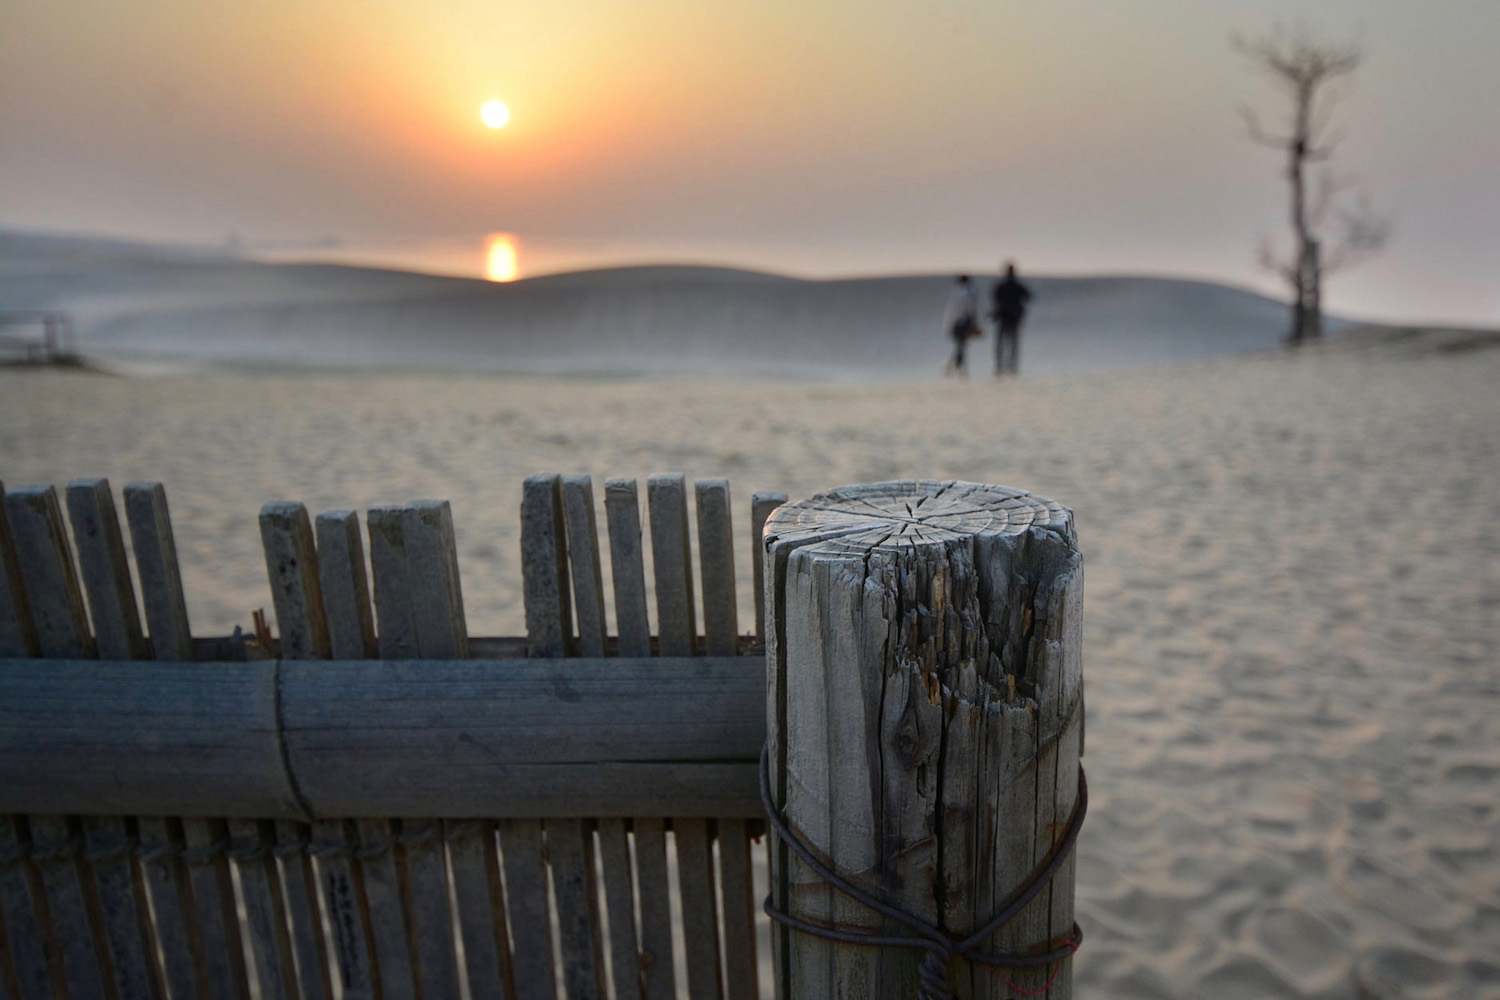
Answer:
(372, 803)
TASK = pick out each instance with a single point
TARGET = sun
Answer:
(494, 114)
(500, 255)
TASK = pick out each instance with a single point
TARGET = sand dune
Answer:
(1293, 579)
(135, 302)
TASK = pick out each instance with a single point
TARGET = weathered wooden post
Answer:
(925, 718)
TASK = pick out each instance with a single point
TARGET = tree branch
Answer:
(1362, 233)
(1279, 266)
(1321, 200)
(1322, 151)
(1258, 135)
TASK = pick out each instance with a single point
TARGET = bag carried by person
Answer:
(966, 328)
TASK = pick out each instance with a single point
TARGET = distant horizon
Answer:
(462, 257)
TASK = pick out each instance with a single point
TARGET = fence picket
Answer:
(105, 571)
(47, 573)
(346, 606)
(736, 893)
(619, 903)
(395, 959)
(23, 910)
(544, 569)
(627, 570)
(526, 908)
(762, 503)
(432, 560)
(290, 945)
(293, 845)
(55, 844)
(164, 844)
(156, 565)
(658, 976)
(716, 559)
(396, 634)
(583, 560)
(250, 844)
(17, 636)
(216, 914)
(700, 923)
(437, 617)
(671, 556)
(121, 901)
(346, 591)
(161, 845)
(437, 604)
(292, 566)
(346, 906)
(481, 907)
(382, 888)
(569, 851)
(112, 889)
(429, 921)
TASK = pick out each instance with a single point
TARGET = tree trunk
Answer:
(1312, 284)
(1304, 276)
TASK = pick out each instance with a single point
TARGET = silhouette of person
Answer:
(960, 319)
(1008, 307)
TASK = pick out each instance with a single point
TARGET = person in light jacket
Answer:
(960, 319)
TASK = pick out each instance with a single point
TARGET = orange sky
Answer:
(827, 137)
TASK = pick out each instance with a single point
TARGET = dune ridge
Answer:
(210, 306)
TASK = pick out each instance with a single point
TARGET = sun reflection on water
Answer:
(500, 263)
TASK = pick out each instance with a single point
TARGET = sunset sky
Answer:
(821, 138)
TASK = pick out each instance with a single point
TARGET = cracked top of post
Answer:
(897, 515)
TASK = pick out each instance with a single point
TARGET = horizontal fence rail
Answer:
(423, 738)
(373, 803)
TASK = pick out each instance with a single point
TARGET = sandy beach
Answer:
(1293, 587)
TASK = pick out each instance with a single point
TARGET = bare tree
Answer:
(1327, 232)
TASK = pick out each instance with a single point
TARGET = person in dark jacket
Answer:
(1008, 307)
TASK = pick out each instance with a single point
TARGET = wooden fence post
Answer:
(925, 717)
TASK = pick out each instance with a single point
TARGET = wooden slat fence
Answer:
(374, 803)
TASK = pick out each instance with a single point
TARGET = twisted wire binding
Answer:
(331, 841)
(939, 945)
(415, 833)
(247, 851)
(15, 853)
(165, 852)
(107, 852)
(197, 857)
(69, 847)
(377, 846)
(292, 846)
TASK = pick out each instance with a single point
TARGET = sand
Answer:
(1293, 586)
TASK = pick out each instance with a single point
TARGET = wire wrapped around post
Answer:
(941, 947)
